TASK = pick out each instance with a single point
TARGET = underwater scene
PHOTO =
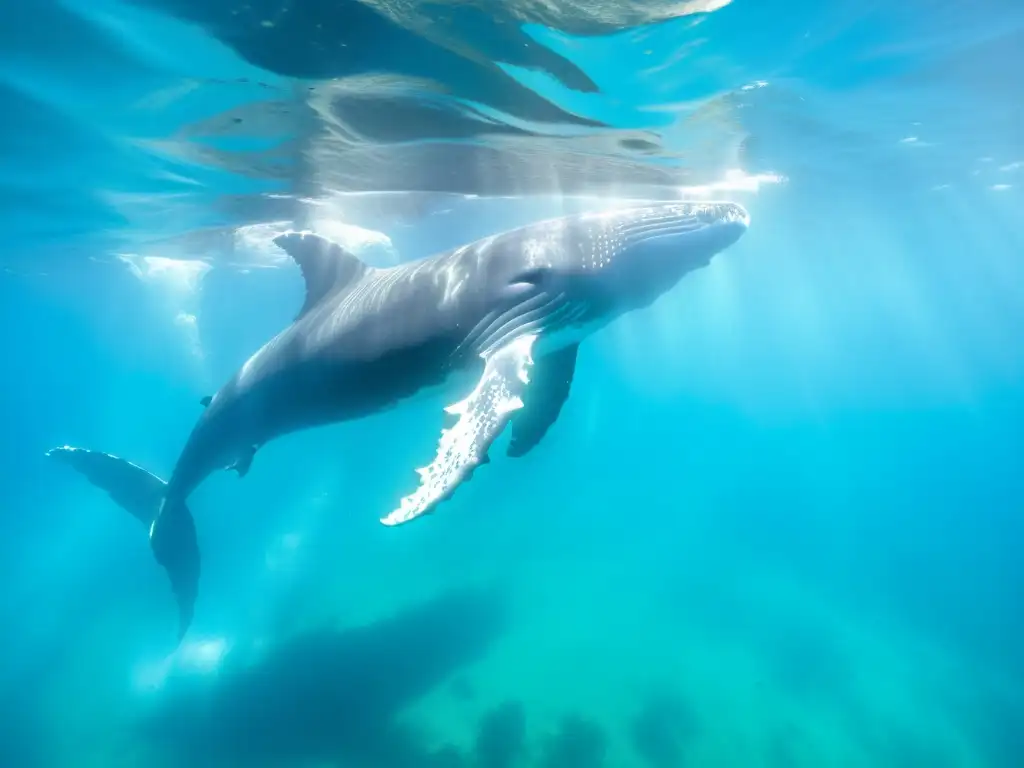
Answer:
(512, 384)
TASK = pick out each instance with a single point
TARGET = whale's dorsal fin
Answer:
(325, 266)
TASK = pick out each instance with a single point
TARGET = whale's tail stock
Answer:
(172, 531)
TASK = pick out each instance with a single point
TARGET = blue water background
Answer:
(777, 524)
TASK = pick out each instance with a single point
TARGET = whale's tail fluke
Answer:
(172, 537)
(172, 532)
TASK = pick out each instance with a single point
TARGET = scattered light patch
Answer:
(256, 241)
(940, 187)
(180, 277)
(734, 180)
(203, 656)
(175, 283)
(915, 141)
(152, 676)
(282, 555)
(1000, 187)
(375, 248)
(165, 97)
(1011, 167)
(198, 657)
(754, 85)
(190, 328)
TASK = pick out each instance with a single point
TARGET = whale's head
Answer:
(593, 267)
(577, 273)
(625, 259)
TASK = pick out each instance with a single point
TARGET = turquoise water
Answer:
(777, 523)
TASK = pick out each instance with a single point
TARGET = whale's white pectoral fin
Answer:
(481, 418)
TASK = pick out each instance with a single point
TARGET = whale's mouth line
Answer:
(684, 219)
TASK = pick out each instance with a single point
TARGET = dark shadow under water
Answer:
(330, 695)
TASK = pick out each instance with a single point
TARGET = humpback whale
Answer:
(508, 312)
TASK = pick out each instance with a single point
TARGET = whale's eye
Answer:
(535, 277)
(525, 285)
